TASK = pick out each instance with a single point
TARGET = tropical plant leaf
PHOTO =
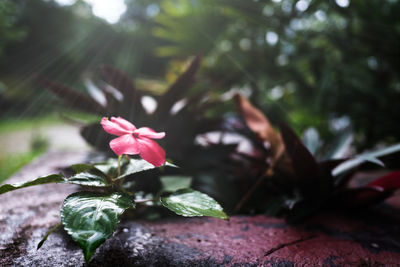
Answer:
(91, 177)
(358, 197)
(260, 125)
(174, 183)
(131, 96)
(362, 158)
(177, 90)
(340, 146)
(95, 135)
(190, 203)
(390, 181)
(70, 96)
(90, 218)
(304, 163)
(52, 178)
(119, 81)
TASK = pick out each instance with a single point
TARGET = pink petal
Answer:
(149, 133)
(113, 128)
(126, 144)
(124, 124)
(151, 151)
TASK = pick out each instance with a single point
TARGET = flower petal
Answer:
(150, 151)
(149, 133)
(126, 144)
(124, 124)
(112, 127)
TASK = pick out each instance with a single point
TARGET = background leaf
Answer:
(52, 178)
(259, 124)
(311, 139)
(190, 203)
(174, 183)
(390, 181)
(90, 218)
(360, 159)
(178, 89)
(70, 96)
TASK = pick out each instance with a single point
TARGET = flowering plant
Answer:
(91, 216)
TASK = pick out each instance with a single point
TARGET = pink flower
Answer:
(134, 141)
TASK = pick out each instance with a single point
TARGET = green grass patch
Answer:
(8, 125)
(10, 164)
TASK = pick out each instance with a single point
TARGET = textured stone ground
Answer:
(368, 239)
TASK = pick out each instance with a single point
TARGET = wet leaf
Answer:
(190, 203)
(91, 177)
(52, 178)
(91, 218)
(139, 165)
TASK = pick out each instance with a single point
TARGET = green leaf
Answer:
(174, 183)
(358, 160)
(90, 217)
(139, 165)
(110, 166)
(81, 167)
(89, 178)
(52, 178)
(190, 203)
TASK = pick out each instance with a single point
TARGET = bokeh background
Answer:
(326, 65)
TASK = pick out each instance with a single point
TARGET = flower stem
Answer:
(119, 165)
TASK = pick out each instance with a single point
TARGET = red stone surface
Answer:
(333, 241)
(365, 239)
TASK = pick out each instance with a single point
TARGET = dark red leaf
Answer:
(260, 125)
(178, 89)
(120, 81)
(304, 164)
(388, 182)
(327, 166)
(358, 197)
(71, 97)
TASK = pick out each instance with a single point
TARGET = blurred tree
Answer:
(306, 61)
(65, 43)
(8, 31)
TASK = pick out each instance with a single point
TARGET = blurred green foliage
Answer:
(306, 62)
(67, 44)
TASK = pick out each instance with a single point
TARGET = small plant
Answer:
(91, 216)
(297, 183)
